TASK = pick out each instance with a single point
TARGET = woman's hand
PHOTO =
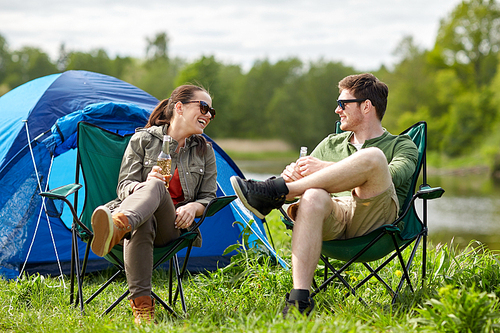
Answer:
(156, 173)
(187, 213)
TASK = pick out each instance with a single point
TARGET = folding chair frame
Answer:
(79, 230)
(425, 193)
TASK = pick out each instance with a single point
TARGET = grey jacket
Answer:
(197, 174)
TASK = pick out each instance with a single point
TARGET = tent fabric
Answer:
(38, 120)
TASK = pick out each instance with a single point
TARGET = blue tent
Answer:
(38, 122)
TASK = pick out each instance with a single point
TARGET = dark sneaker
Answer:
(304, 306)
(260, 197)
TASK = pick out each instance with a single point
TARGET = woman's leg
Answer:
(151, 212)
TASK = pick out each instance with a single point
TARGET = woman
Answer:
(146, 213)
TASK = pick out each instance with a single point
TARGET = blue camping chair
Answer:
(389, 240)
(99, 158)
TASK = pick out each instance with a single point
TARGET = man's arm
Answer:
(404, 162)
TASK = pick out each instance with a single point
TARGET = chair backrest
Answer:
(100, 155)
(418, 134)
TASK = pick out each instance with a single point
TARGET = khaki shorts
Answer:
(353, 216)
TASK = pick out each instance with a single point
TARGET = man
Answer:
(351, 184)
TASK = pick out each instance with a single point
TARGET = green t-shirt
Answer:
(401, 153)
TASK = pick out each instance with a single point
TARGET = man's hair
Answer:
(367, 86)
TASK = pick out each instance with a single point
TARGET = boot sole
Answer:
(102, 226)
(239, 193)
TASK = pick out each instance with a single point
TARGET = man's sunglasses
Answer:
(204, 108)
(343, 102)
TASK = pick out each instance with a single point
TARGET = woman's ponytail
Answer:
(159, 115)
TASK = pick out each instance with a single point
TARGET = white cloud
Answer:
(361, 33)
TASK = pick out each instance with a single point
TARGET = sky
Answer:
(359, 33)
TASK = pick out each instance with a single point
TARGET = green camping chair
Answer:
(99, 158)
(388, 240)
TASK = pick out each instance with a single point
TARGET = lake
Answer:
(469, 209)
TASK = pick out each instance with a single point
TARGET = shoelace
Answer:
(145, 313)
(260, 188)
(118, 224)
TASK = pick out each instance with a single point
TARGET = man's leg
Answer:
(366, 172)
(315, 206)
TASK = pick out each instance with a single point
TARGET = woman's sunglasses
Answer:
(204, 108)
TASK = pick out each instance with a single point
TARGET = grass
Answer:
(460, 295)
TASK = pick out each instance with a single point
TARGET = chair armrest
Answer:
(61, 192)
(217, 204)
(213, 207)
(427, 192)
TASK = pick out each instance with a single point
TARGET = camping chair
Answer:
(99, 158)
(390, 239)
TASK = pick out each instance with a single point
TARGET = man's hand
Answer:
(291, 173)
(303, 167)
(309, 165)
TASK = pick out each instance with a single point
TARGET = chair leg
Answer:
(107, 283)
(72, 272)
(407, 268)
(403, 265)
(165, 305)
(375, 274)
(424, 257)
(86, 259)
(179, 283)
(184, 268)
(170, 282)
(336, 274)
(77, 269)
(115, 303)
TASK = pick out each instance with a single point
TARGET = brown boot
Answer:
(144, 309)
(108, 230)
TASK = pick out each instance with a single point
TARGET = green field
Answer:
(459, 295)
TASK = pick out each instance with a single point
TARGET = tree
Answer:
(221, 81)
(256, 90)
(469, 39)
(5, 59)
(157, 47)
(302, 110)
(414, 92)
(63, 59)
(27, 64)
(95, 61)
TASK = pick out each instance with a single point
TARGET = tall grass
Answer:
(458, 295)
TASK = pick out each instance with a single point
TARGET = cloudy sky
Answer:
(360, 33)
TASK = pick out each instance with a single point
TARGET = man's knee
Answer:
(373, 158)
(316, 201)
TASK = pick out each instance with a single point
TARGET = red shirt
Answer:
(175, 188)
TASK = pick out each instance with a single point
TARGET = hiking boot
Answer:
(108, 230)
(144, 309)
(260, 197)
(304, 306)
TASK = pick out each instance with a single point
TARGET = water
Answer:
(469, 209)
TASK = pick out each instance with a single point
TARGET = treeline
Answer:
(455, 86)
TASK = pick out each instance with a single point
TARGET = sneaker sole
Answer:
(239, 193)
(102, 225)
